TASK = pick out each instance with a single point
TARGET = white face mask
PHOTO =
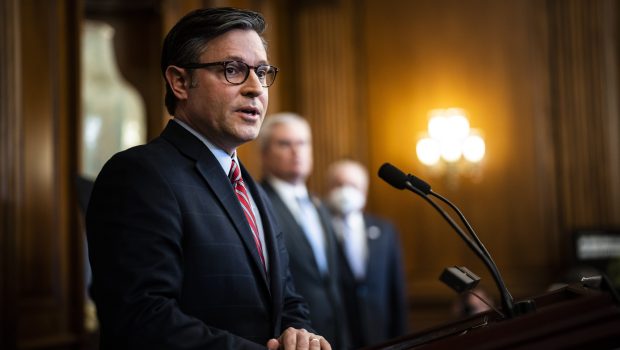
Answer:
(346, 199)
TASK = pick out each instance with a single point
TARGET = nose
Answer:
(252, 86)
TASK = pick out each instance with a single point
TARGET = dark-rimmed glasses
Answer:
(237, 72)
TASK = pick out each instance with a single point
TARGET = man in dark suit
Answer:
(183, 255)
(370, 259)
(286, 151)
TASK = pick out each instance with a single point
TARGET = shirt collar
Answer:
(222, 156)
(288, 190)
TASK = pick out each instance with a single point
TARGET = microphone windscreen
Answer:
(393, 176)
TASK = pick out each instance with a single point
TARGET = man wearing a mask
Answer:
(370, 260)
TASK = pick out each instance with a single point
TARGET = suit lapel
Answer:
(371, 242)
(221, 186)
(285, 216)
(371, 245)
(209, 168)
(295, 231)
(345, 260)
(328, 235)
(271, 241)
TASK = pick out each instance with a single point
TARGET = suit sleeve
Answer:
(295, 309)
(134, 229)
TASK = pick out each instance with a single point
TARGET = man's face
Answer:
(349, 175)
(226, 114)
(288, 155)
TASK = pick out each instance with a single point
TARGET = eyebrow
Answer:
(238, 58)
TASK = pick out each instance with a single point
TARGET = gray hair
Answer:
(271, 121)
(334, 167)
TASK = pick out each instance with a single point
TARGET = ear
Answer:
(179, 80)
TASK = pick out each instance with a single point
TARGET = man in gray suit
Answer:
(286, 150)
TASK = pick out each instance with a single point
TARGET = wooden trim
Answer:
(327, 83)
(10, 160)
(584, 104)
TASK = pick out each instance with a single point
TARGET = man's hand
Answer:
(298, 339)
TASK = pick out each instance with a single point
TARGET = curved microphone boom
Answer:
(467, 225)
(426, 189)
(396, 177)
(400, 180)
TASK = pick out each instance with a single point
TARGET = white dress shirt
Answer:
(299, 203)
(351, 231)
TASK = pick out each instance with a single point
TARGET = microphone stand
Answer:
(469, 228)
(476, 246)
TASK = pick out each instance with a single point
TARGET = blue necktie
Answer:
(311, 224)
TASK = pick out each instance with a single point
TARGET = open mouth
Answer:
(250, 111)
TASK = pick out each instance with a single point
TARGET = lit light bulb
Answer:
(437, 127)
(458, 127)
(450, 150)
(428, 151)
(474, 148)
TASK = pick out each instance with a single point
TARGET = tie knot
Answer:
(235, 172)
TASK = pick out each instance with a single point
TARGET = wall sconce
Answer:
(450, 145)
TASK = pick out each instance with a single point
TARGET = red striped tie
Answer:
(244, 199)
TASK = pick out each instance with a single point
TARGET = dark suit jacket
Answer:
(327, 311)
(173, 258)
(376, 306)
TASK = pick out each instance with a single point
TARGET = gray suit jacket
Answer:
(173, 259)
(327, 312)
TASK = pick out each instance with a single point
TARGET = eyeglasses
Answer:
(237, 72)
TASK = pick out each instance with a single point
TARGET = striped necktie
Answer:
(244, 199)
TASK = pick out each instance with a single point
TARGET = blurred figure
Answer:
(471, 303)
(370, 259)
(286, 149)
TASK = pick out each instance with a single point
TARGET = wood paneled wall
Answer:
(584, 67)
(9, 137)
(485, 57)
(41, 270)
(328, 81)
(539, 78)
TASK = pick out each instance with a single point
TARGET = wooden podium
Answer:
(573, 317)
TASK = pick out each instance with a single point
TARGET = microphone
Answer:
(393, 176)
(400, 180)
